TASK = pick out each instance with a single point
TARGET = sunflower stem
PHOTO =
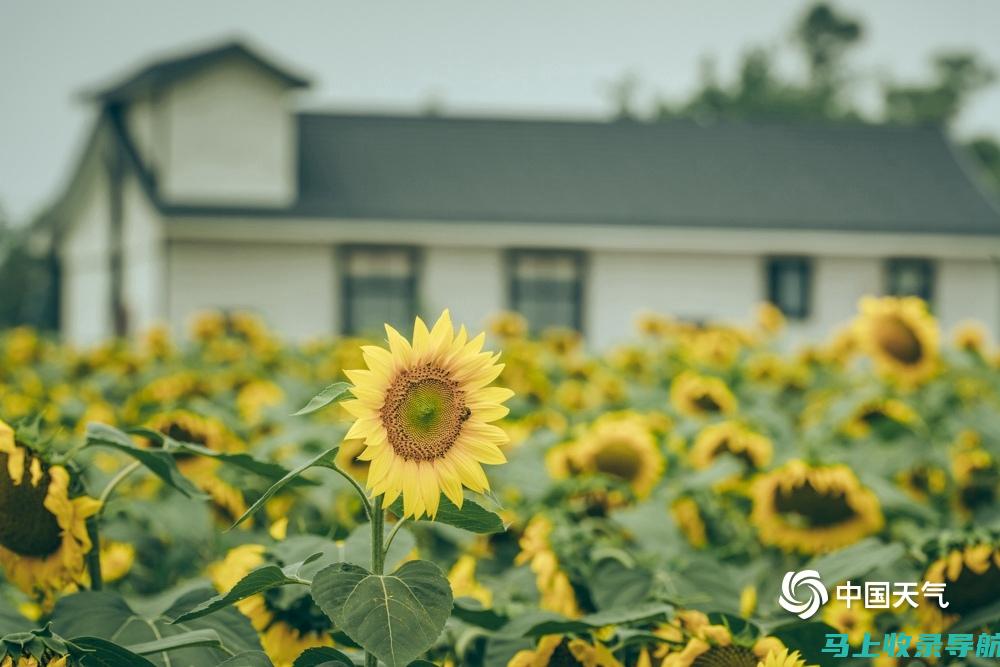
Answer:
(115, 481)
(392, 535)
(378, 554)
(94, 555)
(357, 487)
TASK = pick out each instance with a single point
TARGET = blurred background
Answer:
(331, 166)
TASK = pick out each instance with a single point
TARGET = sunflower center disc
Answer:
(563, 657)
(26, 527)
(423, 413)
(707, 403)
(898, 340)
(813, 508)
(618, 459)
(972, 591)
(726, 656)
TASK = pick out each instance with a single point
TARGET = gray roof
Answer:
(731, 174)
(802, 176)
(165, 70)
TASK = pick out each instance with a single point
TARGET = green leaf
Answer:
(157, 461)
(854, 561)
(322, 656)
(106, 616)
(321, 460)
(474, 613)
(249, 659)
(473, 517)
(97, 652)
(396, 617)
(324, 398)
(266, 469)
(635, 614)
(613, 585)
(262, 579)
(11, 621)
(188, 639)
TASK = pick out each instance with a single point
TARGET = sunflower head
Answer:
(43, 532)
(813, 509)
(971, 572)
(619, 446)
(508, 325)
(970, 337)
(886, 416)
(732, 438)
(901, 336)
(700, 396)
(424, 410)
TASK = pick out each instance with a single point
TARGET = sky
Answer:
(517, 57)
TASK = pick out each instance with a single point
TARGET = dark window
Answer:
(380, 286)
(546, 286)
(910, 277)
(789, 285)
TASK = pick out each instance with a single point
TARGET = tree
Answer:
(823, 37)
(957, 76)
(29, 294)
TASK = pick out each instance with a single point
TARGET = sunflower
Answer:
(923, 480)
(769, 318)
(462, 578)
(730, 437)
(715, 646)
(700, 395)
(811, 509)
(620, 446)
(717, 346)
(560, 650)
(554, 586)
(43, 530)
(687, 516)
(255, 398)
(854, 621)
(424, 410)
(48, 659)
(972, 577)
(977, 476)
(901, 336)
(284, 633)
(185, 426)
(881, 414)
(970, 337)
(508, 325)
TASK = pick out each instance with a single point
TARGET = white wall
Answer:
(229, 138)
(142, 243)
(968, 290)
(838, 283)
(86, 279)
(469, 281)
(621, 285)
(291, 286)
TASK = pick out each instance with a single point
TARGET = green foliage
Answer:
(158, 462)
(396, 617)
(107, 616)
(324, 398)
(472, 517)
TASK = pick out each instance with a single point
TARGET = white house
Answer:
(202, 187)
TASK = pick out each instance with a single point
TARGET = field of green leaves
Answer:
(437, 497)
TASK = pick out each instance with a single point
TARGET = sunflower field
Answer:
(454, 498)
